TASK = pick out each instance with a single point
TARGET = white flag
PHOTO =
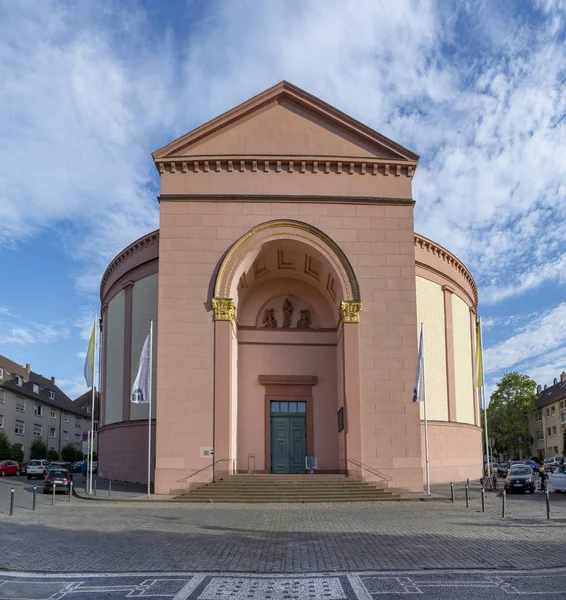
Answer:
(418, 392)
(140, 389)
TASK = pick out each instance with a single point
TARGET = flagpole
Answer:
(149, 415)
(484, 403)
(425, 418)
(91, 444)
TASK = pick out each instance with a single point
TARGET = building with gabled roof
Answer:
(34, 407)
(287, 287)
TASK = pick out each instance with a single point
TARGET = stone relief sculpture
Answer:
(305, 321)
(269, 318)
(287, 312)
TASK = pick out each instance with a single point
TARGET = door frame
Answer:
(288, 388)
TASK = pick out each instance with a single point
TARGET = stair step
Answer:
(299, 488)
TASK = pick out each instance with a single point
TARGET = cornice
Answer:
(141, 244)
(286, 165)
(437, 250)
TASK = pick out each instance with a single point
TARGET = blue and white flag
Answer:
(140, 389)
(419, 391)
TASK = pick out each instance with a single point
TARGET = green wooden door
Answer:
(288, 437)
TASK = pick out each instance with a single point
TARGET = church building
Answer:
(287, 288)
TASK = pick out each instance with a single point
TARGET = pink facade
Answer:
(286, 303)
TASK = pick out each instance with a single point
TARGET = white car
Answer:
(37, 469)
(558, 479)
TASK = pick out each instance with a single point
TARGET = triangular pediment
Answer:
(285, 121)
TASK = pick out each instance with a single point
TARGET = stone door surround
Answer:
(293, 388)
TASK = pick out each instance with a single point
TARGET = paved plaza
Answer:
(86, 536)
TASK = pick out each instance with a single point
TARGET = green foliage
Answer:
(52, 455)
(508, 413)
(16, 453)
(5, 450)
(38, 449)
(69, 454)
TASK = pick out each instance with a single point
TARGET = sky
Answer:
(89, 89)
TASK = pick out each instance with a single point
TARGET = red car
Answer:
(9, 467)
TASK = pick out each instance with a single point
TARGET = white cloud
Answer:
(536, 349)
(73, 387)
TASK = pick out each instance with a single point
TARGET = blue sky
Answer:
(89, 89)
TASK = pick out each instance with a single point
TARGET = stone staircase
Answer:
(287, 488)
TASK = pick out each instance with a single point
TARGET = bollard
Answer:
(109, 488)
(452, 492)
(547, 503)
(70, 491)
(467, 496)
(34, 497)
(12, 502)
(53, 495)
(468, 482)
(482, 499)
(94, 487)
(503, 503)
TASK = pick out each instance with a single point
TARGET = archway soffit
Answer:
(295, 229)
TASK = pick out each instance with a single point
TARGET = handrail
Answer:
(212, 464)
(370, 469)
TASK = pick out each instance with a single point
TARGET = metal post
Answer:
(452, 493)
(547, 503)
(70, 491)
(34, 496)
(482, 499)
(109, 488)
(467, 496)
(503, 503)
(53, 496)
(12, 502)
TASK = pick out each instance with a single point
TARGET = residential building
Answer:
(548, 423)
(33, 407)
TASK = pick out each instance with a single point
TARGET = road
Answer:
(465, 585)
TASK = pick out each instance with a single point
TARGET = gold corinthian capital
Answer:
(224, 309)
(350, 311)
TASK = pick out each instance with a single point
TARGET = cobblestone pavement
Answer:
(479, 585)
(85, 536)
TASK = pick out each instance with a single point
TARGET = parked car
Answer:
(520, 479)
(37, 468)
(558, 478)
(534, 465)
(58, 477)
(9, 467)
(62, 465)
(23, 469)
(503, 469)
(77, 466)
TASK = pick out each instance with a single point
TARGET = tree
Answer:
(508, 414)
(68, 453)
(5, 450)
(52, 455)
(17, 453)
(38, 449)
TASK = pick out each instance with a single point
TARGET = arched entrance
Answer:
(286, 356)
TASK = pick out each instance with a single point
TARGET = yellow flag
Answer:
(89, 360)
(479, 357)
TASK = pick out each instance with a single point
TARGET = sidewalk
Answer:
(105, 489)
(123, 491)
